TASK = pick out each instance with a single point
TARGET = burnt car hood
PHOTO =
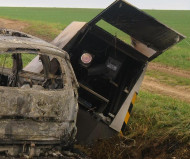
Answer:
(139, 26)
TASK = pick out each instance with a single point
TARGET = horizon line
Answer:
(87, 8)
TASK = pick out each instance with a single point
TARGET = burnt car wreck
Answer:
(38, 110)
(39, 99)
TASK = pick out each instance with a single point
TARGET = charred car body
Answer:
(109, 72)
(38, 110)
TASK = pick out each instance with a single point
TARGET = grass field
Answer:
(158, 121)
(164, 131)
(53, 20)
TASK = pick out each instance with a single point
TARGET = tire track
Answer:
(152, 85)
(169, 70)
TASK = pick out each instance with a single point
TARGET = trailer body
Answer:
(109, 70)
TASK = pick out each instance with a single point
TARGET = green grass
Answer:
(43, 30)
(7, 61)
(48, 22)
(26, 58)
(63, 16)
(160, 117)
(169, 79)
(159, 127)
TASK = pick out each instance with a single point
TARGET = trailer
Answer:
(109, 70)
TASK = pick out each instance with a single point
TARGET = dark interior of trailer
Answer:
(107, 79)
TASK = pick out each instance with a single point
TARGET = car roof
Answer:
(12, 41)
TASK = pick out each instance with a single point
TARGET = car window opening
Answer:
(12, 73)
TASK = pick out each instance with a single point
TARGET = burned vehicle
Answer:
(38, 110)
(39, 100)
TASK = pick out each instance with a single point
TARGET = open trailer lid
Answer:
(139, 26)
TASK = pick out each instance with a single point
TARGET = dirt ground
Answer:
(12, 24)
(153, 85)
(169, 70)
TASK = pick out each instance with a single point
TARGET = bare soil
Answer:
(169, 70)
(30, 29)
(13, 24)
(153, 85)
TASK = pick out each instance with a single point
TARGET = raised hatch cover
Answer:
(140, 26)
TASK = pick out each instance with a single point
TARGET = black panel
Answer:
(90, 129)
(139, 25)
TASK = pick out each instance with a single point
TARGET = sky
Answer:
(142, 4)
